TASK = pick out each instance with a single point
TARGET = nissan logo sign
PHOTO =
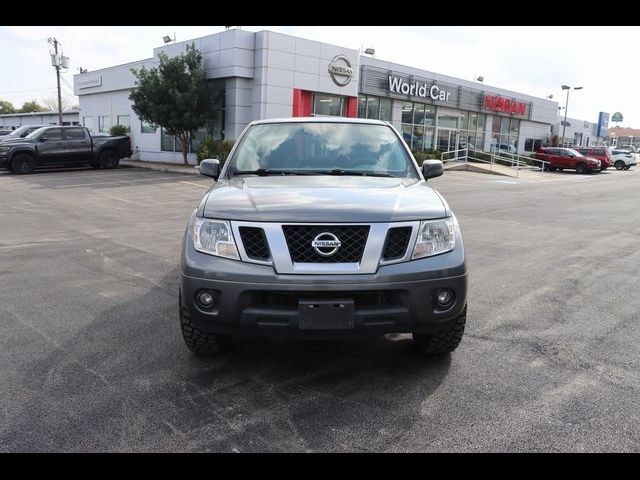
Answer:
(340, 70)
(326, 244)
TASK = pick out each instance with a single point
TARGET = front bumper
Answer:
(254, 298)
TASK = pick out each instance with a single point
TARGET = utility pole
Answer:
(57, 66)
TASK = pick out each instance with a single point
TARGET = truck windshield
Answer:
(322, 148)
(35, 133)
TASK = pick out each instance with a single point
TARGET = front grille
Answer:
(353, 239)
(396, 244)
(255, 243)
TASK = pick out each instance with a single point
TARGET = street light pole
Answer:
(566, 108)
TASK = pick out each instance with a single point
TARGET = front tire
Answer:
(199, 341)
(581, 168)
(619, 165)
(23, 164)
(443, 342)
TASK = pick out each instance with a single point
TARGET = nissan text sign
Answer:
(506, 105)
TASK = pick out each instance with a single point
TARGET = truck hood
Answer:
(12, 141)
(323, 199)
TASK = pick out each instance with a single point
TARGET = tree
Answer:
(51, 104)
(551, 141)
(175, 95)
(6, 107)
(32, 106)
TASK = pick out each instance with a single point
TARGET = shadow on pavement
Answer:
(127, 382)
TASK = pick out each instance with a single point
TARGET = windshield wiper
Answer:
(337, 171)
(263, 172)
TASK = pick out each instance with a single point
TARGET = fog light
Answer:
(444, 298)
(206, 299)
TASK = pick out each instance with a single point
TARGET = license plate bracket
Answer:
(326, 314)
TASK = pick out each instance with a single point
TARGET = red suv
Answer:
(561, 158)
(601, 153)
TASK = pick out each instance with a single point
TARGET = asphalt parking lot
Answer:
(92, 359)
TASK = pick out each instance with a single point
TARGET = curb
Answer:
(160, 168)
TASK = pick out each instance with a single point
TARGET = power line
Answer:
(32, 90)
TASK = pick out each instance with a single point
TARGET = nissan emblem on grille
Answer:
(326, 244)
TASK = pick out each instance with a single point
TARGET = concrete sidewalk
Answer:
(162, 167)
(526, 173)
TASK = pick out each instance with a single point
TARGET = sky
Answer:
(531, 60)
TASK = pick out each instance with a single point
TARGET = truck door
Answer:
(50, 146)
(77, 144)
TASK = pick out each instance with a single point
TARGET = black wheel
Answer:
(619, 165)
(446, 341)
(581, 168)
(199, 341)
(23, 163)
(109, 159)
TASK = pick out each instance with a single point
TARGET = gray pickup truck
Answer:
(322, 227)
(52, 146)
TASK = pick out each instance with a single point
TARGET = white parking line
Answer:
(59, 176)
(123, 181)
(195, 184)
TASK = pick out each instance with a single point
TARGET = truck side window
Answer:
(74, 134)
(53, 134)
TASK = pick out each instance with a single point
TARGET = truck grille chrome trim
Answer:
(290, 249)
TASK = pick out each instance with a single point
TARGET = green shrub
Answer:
(207, 150)
(210, 148)
(118, 130)
(420, 157)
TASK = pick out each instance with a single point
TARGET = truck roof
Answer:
(319, 119)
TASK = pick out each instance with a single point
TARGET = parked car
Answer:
(567, 158)
(502, 147)
(322, 227)
(624, 159)
(601, 153)
(51, 146)
(21, 132)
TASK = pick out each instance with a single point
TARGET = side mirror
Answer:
(432, 169)
(210, 168)
(44, 138)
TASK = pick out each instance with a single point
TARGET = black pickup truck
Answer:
(52, 146)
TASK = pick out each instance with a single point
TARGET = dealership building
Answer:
(258, 75)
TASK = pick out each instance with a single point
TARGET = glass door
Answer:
(447, 139)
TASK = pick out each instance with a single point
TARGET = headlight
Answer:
(215, 238)
(434, 237)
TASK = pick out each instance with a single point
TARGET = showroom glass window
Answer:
(328, 105)
(376, 108)
(418, 120)
(504, 132)
(472, 130)
(104, 124)
(147, 127)
(87, 122)
(125, 121)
